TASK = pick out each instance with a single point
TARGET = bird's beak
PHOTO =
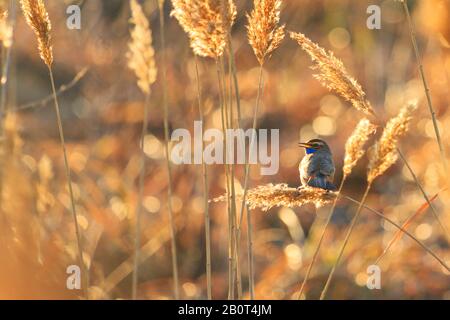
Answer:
(304, 145)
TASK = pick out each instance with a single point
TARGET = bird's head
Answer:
(314, 145)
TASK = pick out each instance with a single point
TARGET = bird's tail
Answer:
(321, 181)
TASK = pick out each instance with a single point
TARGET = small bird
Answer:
(317, 166)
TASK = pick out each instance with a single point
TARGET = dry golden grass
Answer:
(354, 147)
(263, 32)
(38, 232)
(281, 195)
(384, 153)
(333, 75)
(206, 24)
(141, 55)
(37, 18)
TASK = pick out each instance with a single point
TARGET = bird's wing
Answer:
(326, 167)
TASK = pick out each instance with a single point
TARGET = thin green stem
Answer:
(137, 239)
(319, 244)
(166, 150)
(69, 185)
(344, 244)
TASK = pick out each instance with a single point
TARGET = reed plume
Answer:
(354, 150)
(268, 196)
(141, 60)
(263, 32)
(141, 55)
(333, 75)
(206, 24)
(354, 147)
(37, 18)
(381, 157)
(384, 153)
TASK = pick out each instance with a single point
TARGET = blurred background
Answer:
(102, 118)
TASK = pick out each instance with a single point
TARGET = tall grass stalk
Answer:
(69, 185)
(228, 114)
(166, 148)
(37, 18)
(406, 232)
(265, 35)
(234, 84)
(420, 67)
(205, 189)
(251, 271)
(246, 178)
(424, 194)
(141, 59)
(206, 24)
(220, 78)
(319, 244)
(137, 237)
(412, 33)
(344, 244)
(233, 124)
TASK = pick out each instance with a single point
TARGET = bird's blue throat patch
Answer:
(310, 150)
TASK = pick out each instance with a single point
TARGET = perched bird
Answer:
(317, 166)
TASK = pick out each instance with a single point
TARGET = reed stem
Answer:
(419, 185)
(425, 84)
(251, 274)
(322, 236)
(344, 245)
(69, 185)
(166, 150)
(137, 240)
(228, 188)
(420, 243)
(205, 189)
(246, 178)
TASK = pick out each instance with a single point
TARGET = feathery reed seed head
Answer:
(37, 18)
(206, 22)
(383, 154)
(354, 147)
(333, 75)
(263, 32)
(268, 196)
(141, 55)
